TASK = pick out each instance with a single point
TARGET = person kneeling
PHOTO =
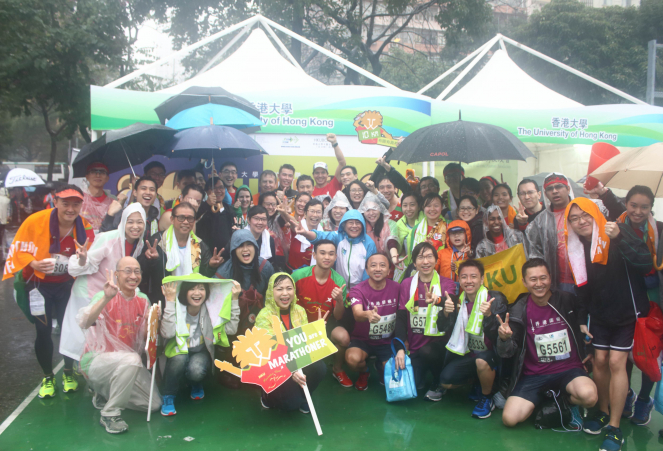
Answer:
(206, 312)
(281, 301)
(115, 325)
(471, 344)
(544, 325)
(374, 306)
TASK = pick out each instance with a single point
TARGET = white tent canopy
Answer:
(255, 65)
(502, 84)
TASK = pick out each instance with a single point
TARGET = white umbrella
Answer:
(643, 166)
(19, 177)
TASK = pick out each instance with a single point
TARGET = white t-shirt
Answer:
(179, 271)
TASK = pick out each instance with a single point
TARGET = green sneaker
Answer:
(69, 383)
(47, 389)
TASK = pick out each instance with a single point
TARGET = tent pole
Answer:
(469, 67)
(180, 53)
(281, 45)
(227, 47)
(502, 46)
(573, 71)
(454, 68)
(328, 54)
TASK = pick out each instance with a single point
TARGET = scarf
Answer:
(33, 240)
(265, 249)
(432, 312)
(651, 236)
(171, 248)
(466, 324)
(421, 233)
(574, 248)
(511, 215)
(305, 243)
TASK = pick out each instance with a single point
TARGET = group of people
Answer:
(374, 264)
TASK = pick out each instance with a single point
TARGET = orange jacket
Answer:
(447, 255)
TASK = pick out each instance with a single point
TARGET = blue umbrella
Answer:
(213, 114)
(211, 142)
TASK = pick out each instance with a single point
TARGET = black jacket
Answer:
(490, 323)
(566, 306)
(611, 289)
(215, 229)
(154, 270)
(394, 176)
(476, 227)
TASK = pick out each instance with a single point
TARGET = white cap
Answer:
(320, 164)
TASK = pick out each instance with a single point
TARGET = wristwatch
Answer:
(335, 144)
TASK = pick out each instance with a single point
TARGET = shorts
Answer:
(381, 352)
(347, 321)
(617, 338)
(461, 369)
(534, 387)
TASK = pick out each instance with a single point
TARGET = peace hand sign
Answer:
(449, 305)
(522, 217)
(484, 308)
(324, 318)
(81, 252)
(110, 288)
(337, 293)
(504, 330)
(398, 260)
(431, 298)
(237, 222)
(299, 228)
(216, 259)
(151, 251)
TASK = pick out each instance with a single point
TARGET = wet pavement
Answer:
(20, 371)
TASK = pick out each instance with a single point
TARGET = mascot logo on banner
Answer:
(369, 129)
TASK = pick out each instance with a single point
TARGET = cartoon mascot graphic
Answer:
(369, 127)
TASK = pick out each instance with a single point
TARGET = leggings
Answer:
(56, 297)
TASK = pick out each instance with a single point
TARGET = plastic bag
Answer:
(399, 384)
(647, 344)
(21, 296)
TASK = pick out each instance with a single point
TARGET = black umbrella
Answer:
(196, 95)
(122, 148)
(212, 142)
(460, 141)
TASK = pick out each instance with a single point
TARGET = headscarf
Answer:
(132, 208)
(600, 244)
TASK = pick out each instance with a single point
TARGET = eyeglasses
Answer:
(421, 257)
(586, 217)
(98, 172)
(129, 271)
(258, 219)
(228, 172)
(182, 218)
(555, 187)
(269, 204)
(356, 191)
(467, 209)
(527, 193)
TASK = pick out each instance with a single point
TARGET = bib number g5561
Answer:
(552, 346)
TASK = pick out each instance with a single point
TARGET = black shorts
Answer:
(533, 388)
(381, 352)
(616, 338)
(461, 369)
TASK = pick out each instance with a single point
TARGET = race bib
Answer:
(477, 343)
(37, 303)
(553, 346)
(61, 265)
(383, 328)
(418, 320)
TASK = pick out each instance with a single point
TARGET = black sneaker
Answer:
(596, 424)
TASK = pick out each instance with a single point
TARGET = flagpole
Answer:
(311, 406)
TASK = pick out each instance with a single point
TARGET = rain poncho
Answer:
(542, 233)
(219, 316)
(511, 237)
(93, 210)
(403, 231)
(388, 234)
(297, 313)
(339, 200)
(108, 248)
(352, 253)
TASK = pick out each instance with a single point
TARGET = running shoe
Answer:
(69, 382)
(484, 407)
(342, 379)
(98, 401)
(197, 391)
(475, 393)
(613, 440)
(628, 405)
(576, 419)
(304, 408)
(642, 412)
(168, 406)
(47, 389)
(362, 382)
(114, 425)
(435, 395)
(596, 424)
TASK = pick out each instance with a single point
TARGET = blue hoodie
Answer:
(352, 253)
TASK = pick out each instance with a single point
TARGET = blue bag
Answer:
(398, 383)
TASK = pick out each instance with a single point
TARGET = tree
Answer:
(609, 44)
(50, 53)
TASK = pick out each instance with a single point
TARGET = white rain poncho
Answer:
(389, 230)
(106, 250)
(339, 200)
(488, 247)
